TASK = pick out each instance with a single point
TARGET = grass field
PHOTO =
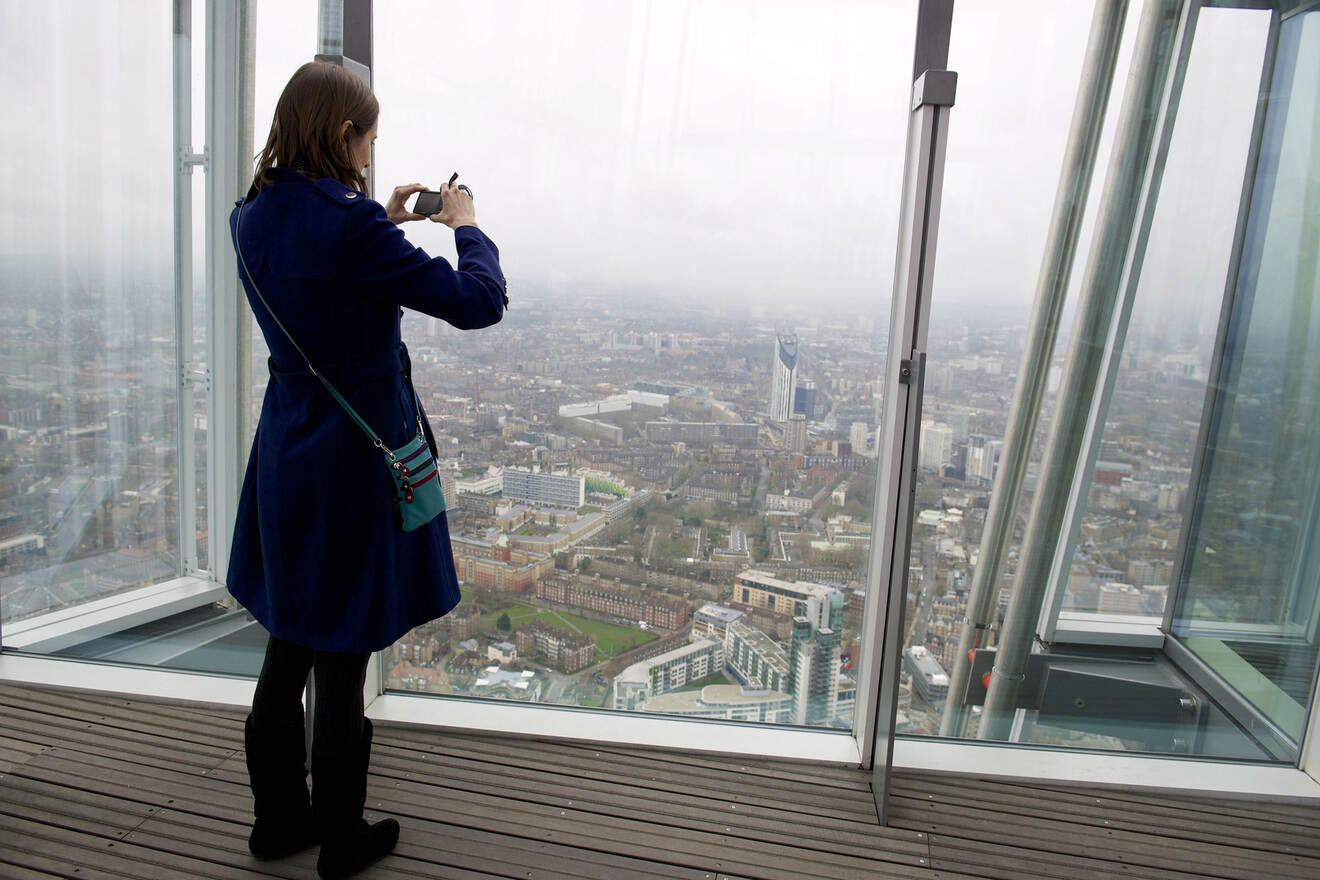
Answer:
(611, 639)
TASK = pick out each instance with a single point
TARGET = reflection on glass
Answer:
(661, 464)
(1128, 536)
(1109, 687)
(1252, 600)
(994, 223)
(89, 502)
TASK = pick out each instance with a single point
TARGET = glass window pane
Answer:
(1101, 682)
(1128, 536)
(994, 219)
(1251, 604)
(90, 436)
(697, 206)
(89, 505)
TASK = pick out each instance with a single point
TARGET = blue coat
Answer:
(318, 555)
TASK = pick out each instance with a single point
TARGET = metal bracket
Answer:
(905, 372)
(936, 87)
(196, 379)
(187, 159)
(357, 68)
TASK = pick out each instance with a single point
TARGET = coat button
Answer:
(350, 195)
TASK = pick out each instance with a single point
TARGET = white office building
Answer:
(545, 489)
(783, 378)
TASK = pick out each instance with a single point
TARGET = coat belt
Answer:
(383, 364)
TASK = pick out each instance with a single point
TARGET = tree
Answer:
(504, 623)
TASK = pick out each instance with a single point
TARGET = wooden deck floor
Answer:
(95, 786)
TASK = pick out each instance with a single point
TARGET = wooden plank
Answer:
(1282, 812)
(143, 748)
(70, 807)
(1295, 812)
(500, 753)
(1003, 862)
(825, 775)
(1172, 822)
(638, 839)
(661, 808)
(1119, 846)
(14, 752)
(12, 871)
(498, 796)
(425, 849)
(135, 782)
(94, 856)
(96, 710)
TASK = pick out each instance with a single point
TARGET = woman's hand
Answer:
(457, 209)
(394, 208)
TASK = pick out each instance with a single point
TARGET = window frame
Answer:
(229, 78)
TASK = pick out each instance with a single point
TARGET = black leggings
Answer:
(337, 711)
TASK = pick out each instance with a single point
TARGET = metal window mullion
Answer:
(184, 370)
(888, 461)
(897, 452)
(228, 115)
(1308, 761)
(930, 52)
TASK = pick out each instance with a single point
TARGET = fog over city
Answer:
(739, 152)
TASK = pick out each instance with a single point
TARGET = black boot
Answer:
(276, 762)
(339, 792)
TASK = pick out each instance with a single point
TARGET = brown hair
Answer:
(305, 133)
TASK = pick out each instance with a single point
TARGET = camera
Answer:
(428, 203)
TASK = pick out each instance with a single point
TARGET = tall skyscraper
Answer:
(804, 399)
(783, 377)
(813, 672)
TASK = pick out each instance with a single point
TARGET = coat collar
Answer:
(336, 190)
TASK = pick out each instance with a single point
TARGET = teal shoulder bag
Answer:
(418, 498)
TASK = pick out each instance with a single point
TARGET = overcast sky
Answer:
(748, 150)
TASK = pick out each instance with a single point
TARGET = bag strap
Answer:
(361, 423)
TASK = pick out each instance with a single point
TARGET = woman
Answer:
(319, 557)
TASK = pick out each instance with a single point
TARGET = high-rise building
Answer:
(936, 445)
(754, 658)
(783, 377)
(821, 604)
(857, 436)
(813, 673)
(804, 399)
(983, 458)
(959, 421)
